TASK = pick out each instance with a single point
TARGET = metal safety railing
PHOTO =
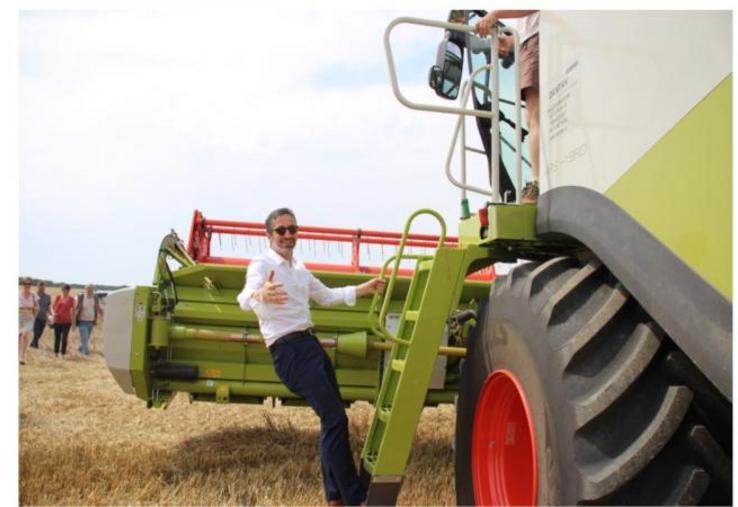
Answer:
(493, 115)
(377, 312)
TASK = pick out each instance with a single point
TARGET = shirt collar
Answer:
(279, 259)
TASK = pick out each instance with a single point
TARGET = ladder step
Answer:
(425, 265)
(398, 364)
(370, 462)
(384, 414)
(399, 403)
(412, 315)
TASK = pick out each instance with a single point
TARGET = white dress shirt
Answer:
(277, 320)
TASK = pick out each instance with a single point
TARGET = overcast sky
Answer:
(130, 120)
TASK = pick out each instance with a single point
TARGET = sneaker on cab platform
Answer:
(530, 193)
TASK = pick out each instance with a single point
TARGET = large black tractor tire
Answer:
(614, 411)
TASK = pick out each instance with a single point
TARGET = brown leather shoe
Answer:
(336, 503)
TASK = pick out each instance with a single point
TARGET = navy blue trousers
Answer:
(305, 368)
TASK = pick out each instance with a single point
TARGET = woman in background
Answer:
(27, 311)
(63, 308)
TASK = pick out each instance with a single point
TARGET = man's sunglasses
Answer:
(281, 230)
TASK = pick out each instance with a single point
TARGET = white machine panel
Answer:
(614, 82)
(118, 334)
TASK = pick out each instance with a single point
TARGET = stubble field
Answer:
(85, 442)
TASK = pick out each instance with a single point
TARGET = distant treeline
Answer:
(52, 283)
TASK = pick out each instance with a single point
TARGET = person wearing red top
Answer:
(63, 308)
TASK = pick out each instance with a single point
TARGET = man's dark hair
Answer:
(277, 213)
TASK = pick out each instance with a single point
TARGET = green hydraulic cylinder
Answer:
(160, 331)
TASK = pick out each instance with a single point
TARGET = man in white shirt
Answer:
(278, 289)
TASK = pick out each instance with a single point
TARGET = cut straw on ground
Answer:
(85, 442)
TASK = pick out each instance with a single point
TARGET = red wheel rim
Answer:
(504, 466)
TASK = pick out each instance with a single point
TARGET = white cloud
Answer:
(129, 120)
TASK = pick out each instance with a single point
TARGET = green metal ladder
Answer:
(433, 294)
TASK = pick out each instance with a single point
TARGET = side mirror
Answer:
(509, 59)
(445, 75)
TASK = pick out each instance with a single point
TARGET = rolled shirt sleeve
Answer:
(327, 296)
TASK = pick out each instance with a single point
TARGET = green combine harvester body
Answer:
(187, 333)
(598, 371)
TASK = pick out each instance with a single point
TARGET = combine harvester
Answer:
(189, 335)
(598, 373)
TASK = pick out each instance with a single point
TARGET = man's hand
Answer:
(370, 287)
(484, 25)
(271, 292)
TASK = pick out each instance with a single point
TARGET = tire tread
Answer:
(623, 401)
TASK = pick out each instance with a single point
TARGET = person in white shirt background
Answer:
(88, 311)
(278, 289)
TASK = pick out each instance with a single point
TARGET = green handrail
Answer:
(376, 317)
(377, 322)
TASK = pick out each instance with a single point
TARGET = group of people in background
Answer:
(37, 310)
